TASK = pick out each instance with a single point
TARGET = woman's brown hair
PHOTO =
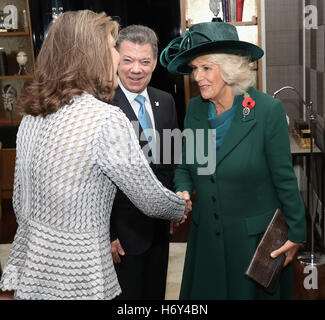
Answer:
(75, 58)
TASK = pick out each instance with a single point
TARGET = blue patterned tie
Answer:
(143, 115)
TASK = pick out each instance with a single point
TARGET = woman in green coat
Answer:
(242, 169)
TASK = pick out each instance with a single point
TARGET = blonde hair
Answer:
(75, 58)
(235, 70)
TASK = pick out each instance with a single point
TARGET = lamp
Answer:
(310, 258)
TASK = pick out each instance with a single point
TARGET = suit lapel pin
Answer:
(157, 103)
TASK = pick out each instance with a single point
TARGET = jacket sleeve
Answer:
(122, 160)
(182, 178)
(17, 192)
(164, 172)
(277, 147)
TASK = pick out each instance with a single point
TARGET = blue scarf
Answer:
(222, 122)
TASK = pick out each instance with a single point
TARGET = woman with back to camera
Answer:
(73, 149)
(252, 175)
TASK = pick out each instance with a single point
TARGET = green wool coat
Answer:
(235, 202)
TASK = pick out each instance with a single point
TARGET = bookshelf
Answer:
(190, 87)
(253, 22)
(15, 76)
(13, 42)
(13, 34)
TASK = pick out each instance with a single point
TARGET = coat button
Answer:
(214, 199)
(217, 233)
(216, 215)
(212, 180)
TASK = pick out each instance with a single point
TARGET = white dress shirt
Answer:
(136, 106)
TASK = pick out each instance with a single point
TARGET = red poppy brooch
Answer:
(248, 104)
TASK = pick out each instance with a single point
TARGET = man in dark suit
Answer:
(140, 245)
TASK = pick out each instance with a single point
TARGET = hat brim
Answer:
(180, 64)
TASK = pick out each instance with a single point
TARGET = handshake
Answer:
(188, 208)
(116, 247)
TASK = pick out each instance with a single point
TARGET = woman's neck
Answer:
(225, 101)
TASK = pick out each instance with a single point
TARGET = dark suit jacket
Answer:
(135, 230)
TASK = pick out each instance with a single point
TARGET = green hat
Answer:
(206, 38)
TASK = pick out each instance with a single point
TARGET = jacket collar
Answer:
(239, 129)
(122, 102)
(154, 100)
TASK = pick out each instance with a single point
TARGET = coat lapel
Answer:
(122, 102)
(238, 130)
(156, 108)
(201, 115)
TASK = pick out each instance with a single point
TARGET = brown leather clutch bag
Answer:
(262, 268)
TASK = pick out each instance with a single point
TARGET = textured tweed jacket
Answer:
(67, 168)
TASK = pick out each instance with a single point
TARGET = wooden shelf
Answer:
(15, 76)
(8, 117)
(14, 39)
(253, 22)
(14, 33)
(296, 147)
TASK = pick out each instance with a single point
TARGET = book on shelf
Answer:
(232, 10)
(228, 10)
(224, 10)
(240, 8)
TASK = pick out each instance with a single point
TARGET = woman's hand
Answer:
(117, 250)
(289, 249)
(174, 225)
(187, 198)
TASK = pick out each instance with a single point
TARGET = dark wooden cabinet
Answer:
(13, 42)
